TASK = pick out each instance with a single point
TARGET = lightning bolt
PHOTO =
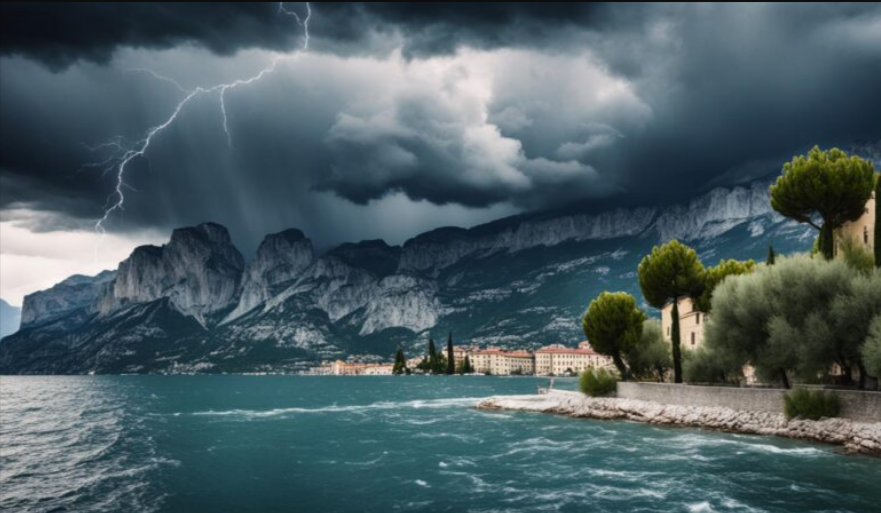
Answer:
(124, 154)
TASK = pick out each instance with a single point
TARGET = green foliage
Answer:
(871, 351)
(598, 383)
(705, 366)
(856, 256)
(877, 233)
(670, 271)
(797, 317)
(713, 276)
(650, 359)
(451, 362)
(400, 366)
(465, 366)
(613, 325)
(829, 184)
(809, 404)
(772, 256)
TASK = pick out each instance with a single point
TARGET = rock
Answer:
(862, 437)
(281, 258)
(75, 293)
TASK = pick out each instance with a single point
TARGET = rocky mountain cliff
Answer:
(10, 318)
(192, 305)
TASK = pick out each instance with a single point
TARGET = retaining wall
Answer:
(855, 405)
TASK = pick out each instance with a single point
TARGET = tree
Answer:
(852, 311)
(877, 233)
(451, 362)
(781, 319)
(713, 276)
(827, 184)
(400, 366)
(613, 325)
(650, 359)
(667, 274)
(432, 356)
(465, 367)
(871, 352)
(771, 255)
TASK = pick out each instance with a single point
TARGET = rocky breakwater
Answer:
(859, 437)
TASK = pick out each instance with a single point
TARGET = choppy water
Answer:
(240, 443)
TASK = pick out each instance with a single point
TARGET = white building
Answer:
(557, 360)
(498, 362)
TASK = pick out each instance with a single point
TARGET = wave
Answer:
(355, 408)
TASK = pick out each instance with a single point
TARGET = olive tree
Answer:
(650, 359)
(613, 325)
(781, 319)
(827, 184)
(871, 352)
(668, 273)
(852, 312)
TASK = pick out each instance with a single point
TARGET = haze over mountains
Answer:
(193, 305)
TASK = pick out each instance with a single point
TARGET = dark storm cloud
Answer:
(59, 34)
(640, 103)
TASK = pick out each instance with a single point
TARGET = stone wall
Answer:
(855, 405)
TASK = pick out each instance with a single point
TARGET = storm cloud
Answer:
(404, 117)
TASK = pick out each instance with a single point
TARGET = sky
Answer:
(391, 119)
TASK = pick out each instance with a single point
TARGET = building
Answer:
(861, 231)
(691, 323)
(557, 360)
(498, 362)
(341, 368)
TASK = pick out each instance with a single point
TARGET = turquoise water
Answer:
(276, 443)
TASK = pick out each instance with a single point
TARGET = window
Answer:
(697, 319)
(692, 338)
(866, 235)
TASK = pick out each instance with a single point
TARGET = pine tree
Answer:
(451, 363)
(772, 257)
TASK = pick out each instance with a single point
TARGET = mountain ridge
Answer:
(516, 282)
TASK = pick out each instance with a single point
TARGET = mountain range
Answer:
(193, 305)
(10, 318)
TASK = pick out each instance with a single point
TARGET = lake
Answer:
(351, 444)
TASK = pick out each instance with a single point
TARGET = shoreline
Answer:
(853, 436)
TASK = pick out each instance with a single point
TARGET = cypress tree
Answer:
(432, 356)
(772, 257)
(676, 343)
(877, 233)
(451, 364)
(400, 366)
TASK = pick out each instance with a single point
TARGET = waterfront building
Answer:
(691, 323)
(861, 231)
(558, 360)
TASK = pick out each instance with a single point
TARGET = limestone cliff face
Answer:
(75, 293)
(706, 216)
(199, 270)
(281, 258)
(191, 305)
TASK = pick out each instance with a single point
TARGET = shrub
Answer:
(809, 404)
(872, 349)
(599, 383)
